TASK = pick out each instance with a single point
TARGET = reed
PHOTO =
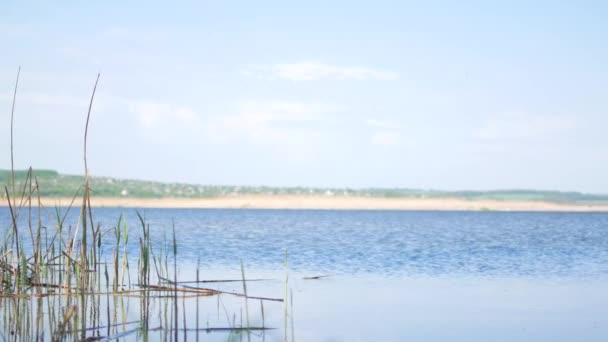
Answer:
(64, 281)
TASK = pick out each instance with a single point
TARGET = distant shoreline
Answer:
(327, 202)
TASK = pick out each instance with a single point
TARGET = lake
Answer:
(382, 275)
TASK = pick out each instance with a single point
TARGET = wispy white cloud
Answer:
(121, 33)
(524, 127)
(15, 30)
(267, 122)
(385, 138)
(383, 133)
(149, 114)
(165, 123)
(315, 71)
(376, 123)
(5, 97)
(253, 122)
(45, 99)
(54, 99)
(128, 46)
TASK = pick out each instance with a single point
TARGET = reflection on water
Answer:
(394, 276)
(350, 308)
(452, 308)
(135, 315)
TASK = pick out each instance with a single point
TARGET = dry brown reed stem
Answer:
(223, 292)
(86, 129)
(221, 280)
(208, 292)
(87, 198)
(12, 122)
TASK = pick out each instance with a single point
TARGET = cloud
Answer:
(296, 132)
(6, 97)
(385, 138)
(268, 122)
(127, 46)
(253, 122)
(14, 30)
(375, 123)
(120, 33)
(163, 123)
(55, 100)
(524, 127)
(315, 71)
(149, 114)
(384, 133)
(45, 99)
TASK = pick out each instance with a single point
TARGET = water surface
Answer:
(398, 275)
(390, 243)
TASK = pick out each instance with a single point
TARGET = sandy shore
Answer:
(329, 202)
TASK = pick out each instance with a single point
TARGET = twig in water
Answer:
(318, 277)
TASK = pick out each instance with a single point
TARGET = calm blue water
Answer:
(377, 242)
(397, 275)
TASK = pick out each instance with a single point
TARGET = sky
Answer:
(448, 95)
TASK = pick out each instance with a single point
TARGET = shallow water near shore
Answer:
(392, 275)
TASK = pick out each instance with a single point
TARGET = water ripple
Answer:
(382, 242)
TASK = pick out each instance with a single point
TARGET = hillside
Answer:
(53, 184)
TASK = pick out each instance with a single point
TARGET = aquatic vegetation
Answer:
(58, 282)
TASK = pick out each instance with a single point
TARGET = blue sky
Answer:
(444, 95)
